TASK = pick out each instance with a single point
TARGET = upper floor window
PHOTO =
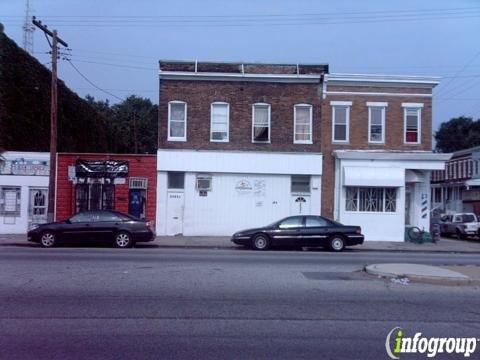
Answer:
(302, 122)
(219, 122)
(376, 122)
(412, 122)
(177, 121)
(340, 120)
(261, 123)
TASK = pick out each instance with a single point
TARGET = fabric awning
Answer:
(473, 182)
(373, 176)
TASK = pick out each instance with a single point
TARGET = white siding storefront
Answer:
(246, 189)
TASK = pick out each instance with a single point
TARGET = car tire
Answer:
(261, 242)
(123, 240)
(48, 239)
(460, 236)
(336, 243)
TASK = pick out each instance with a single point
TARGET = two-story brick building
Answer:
(241, 145)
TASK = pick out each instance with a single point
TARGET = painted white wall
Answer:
(387, 226)
(240, 162)
(20, 225)
(225, 210)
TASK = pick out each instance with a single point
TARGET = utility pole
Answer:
(53, 115)
(135, 143)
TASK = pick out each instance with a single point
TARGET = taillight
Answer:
(359, 230)
(150, 224)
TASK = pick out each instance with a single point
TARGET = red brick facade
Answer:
(282, 96)
(139, 165)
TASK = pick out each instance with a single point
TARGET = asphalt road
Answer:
(153, 303)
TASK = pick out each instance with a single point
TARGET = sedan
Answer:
(301, 231)
(121, 230)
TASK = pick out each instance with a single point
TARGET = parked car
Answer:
(301, 231)
(121, 230)
(463, 225)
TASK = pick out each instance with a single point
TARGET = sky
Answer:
(116, 44)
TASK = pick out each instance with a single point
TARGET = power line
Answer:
(91, 83)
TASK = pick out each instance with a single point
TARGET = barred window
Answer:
(371, 199)
(10, 200)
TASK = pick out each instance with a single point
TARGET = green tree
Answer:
(457, 134)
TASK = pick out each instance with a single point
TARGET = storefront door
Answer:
(408, 207)
(37, 208)
(175, 205)
(300, 205)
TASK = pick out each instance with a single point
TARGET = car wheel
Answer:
(48, 239)
(123, 240)
(261, 242)
(336, 243)
(460, 236)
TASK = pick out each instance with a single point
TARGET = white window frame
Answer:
(383, 107)
(269, 123)
(175, 138)
(203, 177)
(418, 107)
(346, 104)
(228, 120)
(384, 200)
(310, 108)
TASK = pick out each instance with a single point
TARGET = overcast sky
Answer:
(117, 44)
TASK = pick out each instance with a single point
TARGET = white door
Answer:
(300, 205)
(37, 207)
(175, 213)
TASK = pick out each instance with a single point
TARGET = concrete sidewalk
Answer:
(442, 275)
(223, 242)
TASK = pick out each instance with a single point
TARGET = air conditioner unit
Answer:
(204, 183)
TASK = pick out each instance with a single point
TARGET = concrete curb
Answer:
(387, 271)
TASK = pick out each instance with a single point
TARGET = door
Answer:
(136, 203)
(78, 228)
(408, 198)
(37, 208)
(315, 232)
(289, 231)
(175, 205)
(300, 205)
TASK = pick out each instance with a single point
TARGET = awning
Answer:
(373, 176)
(472, 182)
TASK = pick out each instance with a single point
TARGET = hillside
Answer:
(25, 108)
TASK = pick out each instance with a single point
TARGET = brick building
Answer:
(241, 145)
(122, 182)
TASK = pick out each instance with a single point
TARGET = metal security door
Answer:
(175, 204)
(300, 205)
(37, 208)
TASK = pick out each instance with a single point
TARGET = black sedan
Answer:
(301, 231)
(119, 229)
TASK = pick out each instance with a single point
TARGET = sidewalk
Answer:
(223, 242)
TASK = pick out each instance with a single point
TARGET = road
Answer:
(154, 303)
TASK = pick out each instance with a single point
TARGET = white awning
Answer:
(373, 176)
(473, 182)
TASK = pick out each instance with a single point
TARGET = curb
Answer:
(433, 280)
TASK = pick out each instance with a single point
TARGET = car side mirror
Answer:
(68, 221)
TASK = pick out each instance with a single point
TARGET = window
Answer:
(10, 200)
(371, 199)
(300, 184)
(176, 180)
(138, 183)
(204, 183)
(292, 222)
(412, 121)
(177, 121)
(82, 217)
(261, 123)
(376, 122)
(315, 221)
(302, 122)
(105, 216)
(340, 120)
(219, 122)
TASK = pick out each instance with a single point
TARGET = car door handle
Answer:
(87, 224)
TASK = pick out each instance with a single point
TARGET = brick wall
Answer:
(394, 128)
(241, 96)
(139, 165)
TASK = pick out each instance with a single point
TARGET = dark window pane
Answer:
(300, 184)
(291, 222)
(176, 180)
(261, 133)
(315, 222)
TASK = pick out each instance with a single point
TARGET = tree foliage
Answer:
(84, 125)
(457, 134)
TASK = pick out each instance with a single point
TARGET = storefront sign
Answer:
(101, 168)
(25, 167)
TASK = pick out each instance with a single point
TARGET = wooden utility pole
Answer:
(53, 115)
